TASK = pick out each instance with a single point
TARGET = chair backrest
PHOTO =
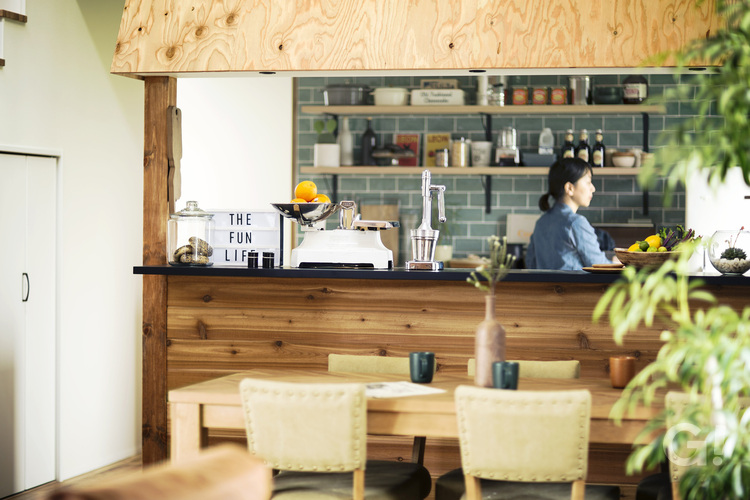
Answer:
(306, 427)
(224, 472)
(529, 436)
(368, 364)
(569, 368)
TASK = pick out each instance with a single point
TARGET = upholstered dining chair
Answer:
(522, 444)
(316, 436)
(354, 363)
(666, 484)
(568, 368)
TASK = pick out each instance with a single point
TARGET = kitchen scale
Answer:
(354, 244)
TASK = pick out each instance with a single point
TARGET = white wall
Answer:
(56, 93)
(237, 143)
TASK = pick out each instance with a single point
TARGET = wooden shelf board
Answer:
(6, 14)
(453, 170)
(528, 109)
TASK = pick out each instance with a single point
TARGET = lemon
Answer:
(654, 241)
(635, 247)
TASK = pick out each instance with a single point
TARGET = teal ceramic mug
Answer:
(505, 375)
(421, 366)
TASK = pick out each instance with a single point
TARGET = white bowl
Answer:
(390, 96)
(623, 161)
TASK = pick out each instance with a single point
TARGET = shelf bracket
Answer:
(645, 150)
(335, 187)
(487, 194)
(487, 124)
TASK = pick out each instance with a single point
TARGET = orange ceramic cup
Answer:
(621, 370)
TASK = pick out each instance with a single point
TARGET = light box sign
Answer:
(239, 232)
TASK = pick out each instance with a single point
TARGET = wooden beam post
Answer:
(160, 94)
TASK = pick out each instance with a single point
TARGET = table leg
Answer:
(187, 432)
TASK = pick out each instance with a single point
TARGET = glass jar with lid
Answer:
(190, 237)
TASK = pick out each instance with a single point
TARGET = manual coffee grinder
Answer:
(424, 238)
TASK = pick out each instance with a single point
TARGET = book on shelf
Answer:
(408, 141)
(432, 143)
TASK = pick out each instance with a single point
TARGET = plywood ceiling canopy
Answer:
(172, 37)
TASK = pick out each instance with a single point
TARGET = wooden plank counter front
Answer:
(222, 321)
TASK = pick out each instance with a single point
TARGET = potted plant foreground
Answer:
(706, 345)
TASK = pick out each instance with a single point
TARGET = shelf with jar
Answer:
(528, 109)
(467, 171)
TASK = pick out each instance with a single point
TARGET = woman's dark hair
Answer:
(560, 173)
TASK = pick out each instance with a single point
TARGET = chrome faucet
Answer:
(424, 238)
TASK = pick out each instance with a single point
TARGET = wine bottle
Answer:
(368, 145)
(583, 150)
(568, 149)
(597, 152)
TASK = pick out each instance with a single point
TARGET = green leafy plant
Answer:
(706, 353)
(706, 346)
(494, 270)
(717, 138)
(733, 252)
(325, 131)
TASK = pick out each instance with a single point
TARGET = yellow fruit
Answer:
(654, 241)
(635, 247)
(307, 190)
(299, 200)
(321, 198)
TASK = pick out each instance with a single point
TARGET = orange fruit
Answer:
(298, 200)
(307, 190)
(321, 198)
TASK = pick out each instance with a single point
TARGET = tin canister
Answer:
(558, 95)
(520, 95)
(539, 95)
(442, 157)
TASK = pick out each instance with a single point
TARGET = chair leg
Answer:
(358, 485)
(473, 487)
(417, 452)
(578, 490)
(676, 490)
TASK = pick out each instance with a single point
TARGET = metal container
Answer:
(345, 94)
(580, 90)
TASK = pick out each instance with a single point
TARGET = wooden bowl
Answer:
(644, 259)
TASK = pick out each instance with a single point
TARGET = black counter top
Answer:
(516, 275)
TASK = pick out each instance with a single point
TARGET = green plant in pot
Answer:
(706, 345)
(326, 152)
(444, 247)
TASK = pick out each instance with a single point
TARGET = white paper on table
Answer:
(398, 389)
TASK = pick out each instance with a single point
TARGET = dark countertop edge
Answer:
(516, 275)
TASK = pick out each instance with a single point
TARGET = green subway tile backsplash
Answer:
(617, 200)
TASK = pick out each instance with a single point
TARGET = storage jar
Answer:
(190, 237)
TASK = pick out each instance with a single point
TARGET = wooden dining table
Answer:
(194, 409)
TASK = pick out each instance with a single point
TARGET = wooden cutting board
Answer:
(389, 237)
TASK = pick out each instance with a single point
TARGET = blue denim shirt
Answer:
(563, 240)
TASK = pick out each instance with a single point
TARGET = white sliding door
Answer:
(27, 322)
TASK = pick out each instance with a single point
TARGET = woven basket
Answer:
(644, 259)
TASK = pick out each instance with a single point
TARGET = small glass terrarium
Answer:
(729, 251)
(190, 237)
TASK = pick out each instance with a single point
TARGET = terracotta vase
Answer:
(489, 344)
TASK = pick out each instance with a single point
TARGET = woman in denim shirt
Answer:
(562, 239)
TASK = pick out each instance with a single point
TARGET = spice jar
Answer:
(190, 237)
